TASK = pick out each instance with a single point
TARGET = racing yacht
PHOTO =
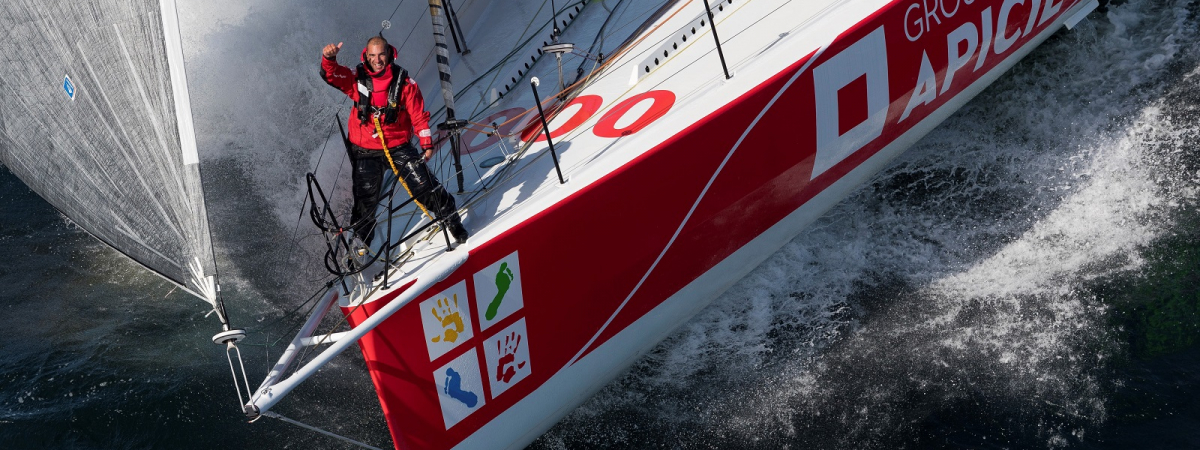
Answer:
(620, 164)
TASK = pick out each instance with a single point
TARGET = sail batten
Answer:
(96, 120)
(124, 148)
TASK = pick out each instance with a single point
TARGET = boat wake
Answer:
(955, 300)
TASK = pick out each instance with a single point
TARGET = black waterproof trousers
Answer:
(369, 166)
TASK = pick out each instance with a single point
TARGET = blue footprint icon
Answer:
(455, 391)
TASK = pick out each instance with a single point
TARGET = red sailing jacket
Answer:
(395, 134)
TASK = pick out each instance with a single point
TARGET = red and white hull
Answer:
(559, 295)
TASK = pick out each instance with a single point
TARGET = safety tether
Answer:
(388, 153)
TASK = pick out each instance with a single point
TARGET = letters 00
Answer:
(588, 106)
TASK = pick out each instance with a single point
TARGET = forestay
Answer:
(96, 124)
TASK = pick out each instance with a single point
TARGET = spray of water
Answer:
(951, 296)
(264, 119)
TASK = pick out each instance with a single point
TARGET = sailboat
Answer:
(619, 164)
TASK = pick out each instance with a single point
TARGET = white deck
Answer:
(760, 38)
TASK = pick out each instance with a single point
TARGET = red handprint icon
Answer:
(508, 348)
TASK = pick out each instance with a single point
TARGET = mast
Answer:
(452, 126)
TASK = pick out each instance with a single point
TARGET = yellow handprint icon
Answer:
(450, 318)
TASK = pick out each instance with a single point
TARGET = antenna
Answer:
(554, 21)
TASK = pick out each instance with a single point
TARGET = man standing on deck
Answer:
(388, 108)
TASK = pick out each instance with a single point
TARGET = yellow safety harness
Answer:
(388, 153)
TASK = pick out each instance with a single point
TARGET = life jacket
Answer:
(366, 88)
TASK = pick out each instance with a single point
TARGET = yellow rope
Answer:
(388, 153)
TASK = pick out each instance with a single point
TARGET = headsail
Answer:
(96, 120)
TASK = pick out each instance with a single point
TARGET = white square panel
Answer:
(459, 388)
(498, 291)
(507, 356)
(446, 319)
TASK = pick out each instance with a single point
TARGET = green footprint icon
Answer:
(503, 279)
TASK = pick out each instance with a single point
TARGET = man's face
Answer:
(377, 57)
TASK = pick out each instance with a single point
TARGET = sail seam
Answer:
(141, 88)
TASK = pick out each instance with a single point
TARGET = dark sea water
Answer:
(1027, 276)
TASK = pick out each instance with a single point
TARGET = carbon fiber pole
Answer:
(453, 126)
(537, 100)
(455, 25)
(713, 24)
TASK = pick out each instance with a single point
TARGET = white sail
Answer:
(95, 119)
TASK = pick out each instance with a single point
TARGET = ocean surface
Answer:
(1026, 276)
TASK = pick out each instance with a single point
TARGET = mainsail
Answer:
(95, 119)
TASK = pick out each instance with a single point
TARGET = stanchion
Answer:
(537, 100)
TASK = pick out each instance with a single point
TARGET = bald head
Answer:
(377, 40)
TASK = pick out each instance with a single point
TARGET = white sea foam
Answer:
(960, 274)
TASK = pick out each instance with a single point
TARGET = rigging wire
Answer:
(389, 19)
(411, 29)
(499, 65)
(586, 81)
(503, 174)
(594, 76)
(578, 84)
(575, 87)
(600, 36)
(300, 217)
